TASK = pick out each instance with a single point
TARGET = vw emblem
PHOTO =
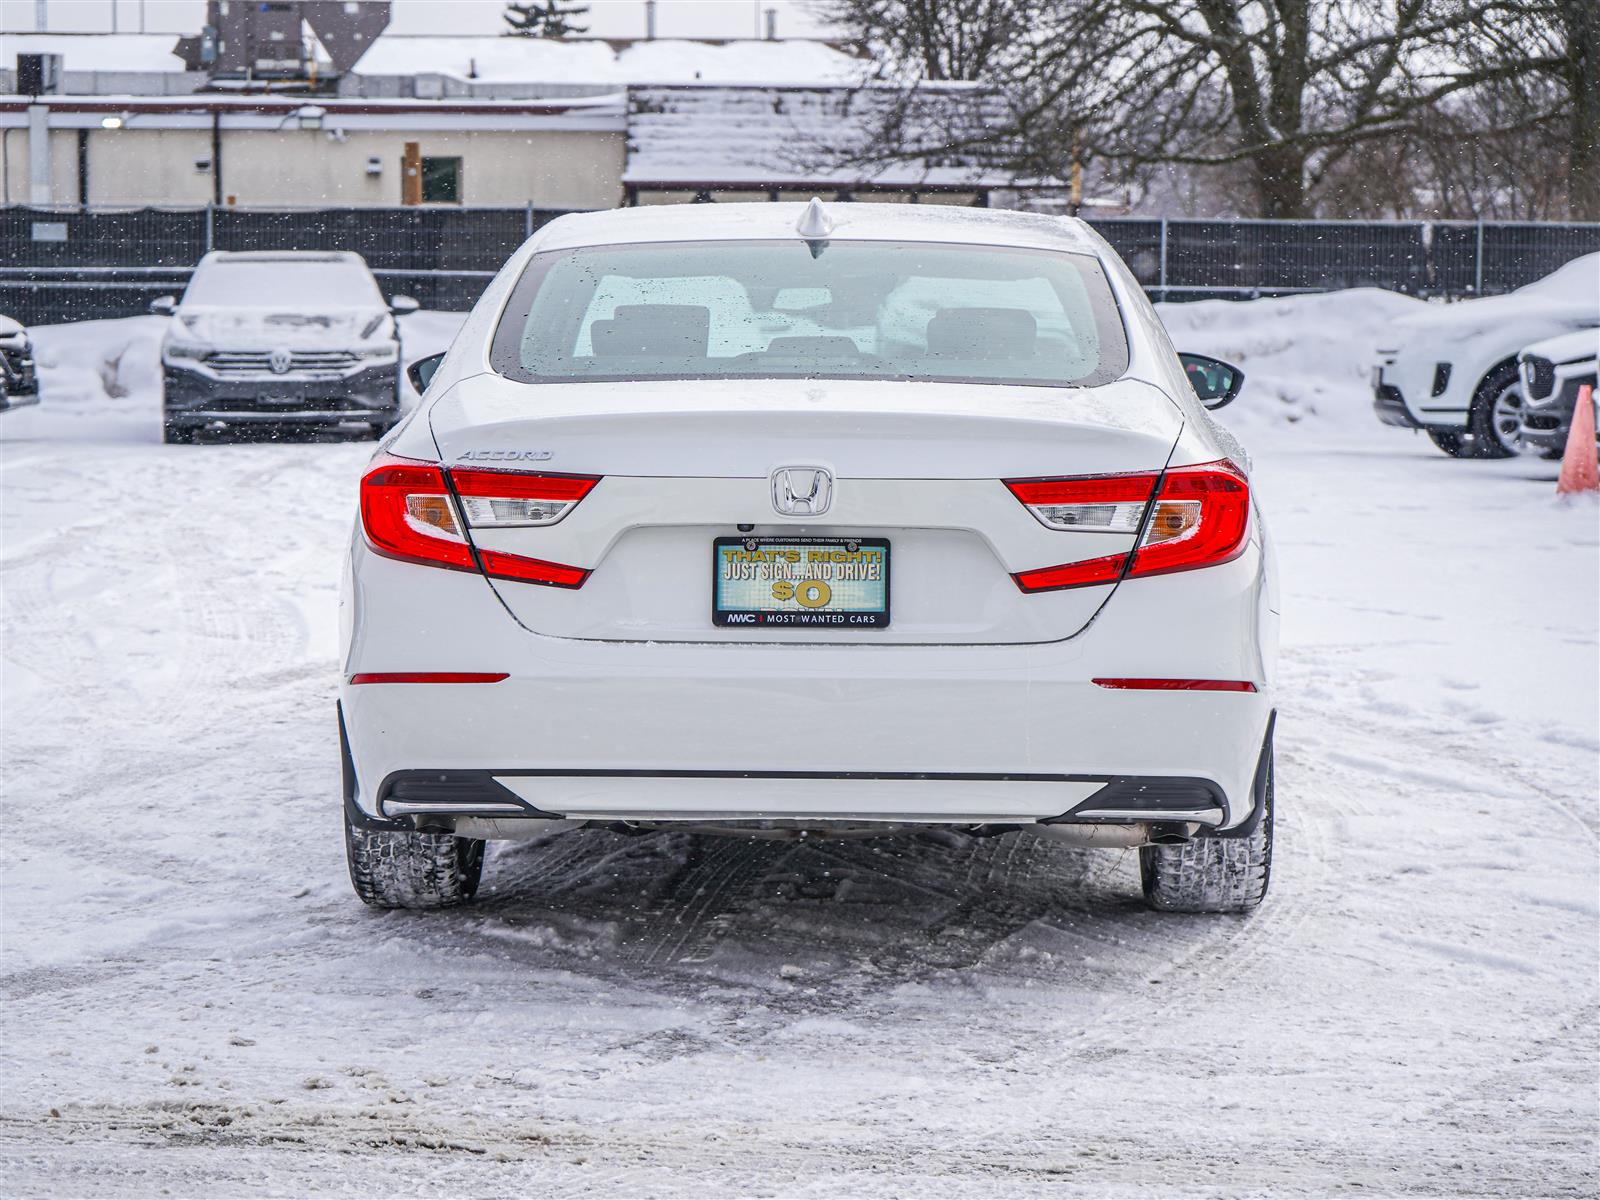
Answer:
(802, 491)
(280, 361)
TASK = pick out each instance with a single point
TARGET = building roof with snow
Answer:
(698, 137)
(487, 60)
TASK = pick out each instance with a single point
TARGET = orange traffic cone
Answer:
(1579, 470)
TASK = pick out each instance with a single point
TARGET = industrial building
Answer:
(320, 115)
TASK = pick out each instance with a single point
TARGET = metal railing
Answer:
(76, 264)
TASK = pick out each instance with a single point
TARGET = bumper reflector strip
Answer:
(1179, 685)
(429, 677)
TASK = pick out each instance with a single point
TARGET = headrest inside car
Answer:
(984, 333)
(667, 330)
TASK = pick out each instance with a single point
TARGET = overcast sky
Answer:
(606, 18)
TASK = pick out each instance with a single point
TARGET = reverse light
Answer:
(1097, 504)
(413, 512)
(1199, 518)
(507, 499)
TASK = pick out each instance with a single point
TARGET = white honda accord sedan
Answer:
(789, 520)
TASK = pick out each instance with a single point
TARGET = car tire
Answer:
(1452, 441)
(178, 435)
(400, 869)
(1494, 422)
(1212, 874)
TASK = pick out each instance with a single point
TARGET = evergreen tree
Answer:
(551, 18)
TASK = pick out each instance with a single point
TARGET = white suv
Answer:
(766, 519)
(1452, 371)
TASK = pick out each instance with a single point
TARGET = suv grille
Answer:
(315, 364)
(1541, 377)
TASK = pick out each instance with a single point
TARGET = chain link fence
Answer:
(70, 265)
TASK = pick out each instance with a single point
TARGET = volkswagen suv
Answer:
(280, 339)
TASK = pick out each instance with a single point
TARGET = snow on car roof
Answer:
(285, 256)
(852, 220)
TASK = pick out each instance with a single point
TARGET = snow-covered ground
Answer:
(197, 1004)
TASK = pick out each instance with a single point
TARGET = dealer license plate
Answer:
(840, 583)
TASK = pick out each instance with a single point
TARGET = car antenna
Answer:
(814, 225)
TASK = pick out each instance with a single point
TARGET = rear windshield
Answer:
(283, 284)
(826, 310)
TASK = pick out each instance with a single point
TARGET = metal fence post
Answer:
(210, 232)
(527, 221)
(1477, 266)
(1162, 273)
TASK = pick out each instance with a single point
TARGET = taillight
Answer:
(1096, 504)
(407, 513)
(1200, 517)
(504, 499)
(411, 512)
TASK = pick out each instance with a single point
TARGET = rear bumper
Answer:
(194, 398)
(900, 734)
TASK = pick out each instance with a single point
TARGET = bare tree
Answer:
(1283, 92)
(940, 39)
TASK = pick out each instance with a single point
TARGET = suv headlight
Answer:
(183, 350)
(383, 350)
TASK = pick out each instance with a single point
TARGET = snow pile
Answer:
(1305, 358)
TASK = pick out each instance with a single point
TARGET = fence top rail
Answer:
(294, 210)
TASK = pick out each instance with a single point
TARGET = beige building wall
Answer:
(136, 167)
(63, 166)
(133, 167)
(307, 168)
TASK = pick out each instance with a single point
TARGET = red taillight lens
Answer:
(407, 513)
(1070, 575)
(531, 570)
(1200, 518)
(410, 512)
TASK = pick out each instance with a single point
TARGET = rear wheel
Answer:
(1452, 441)
(178, 435)
(398, 869)
(1211, 874)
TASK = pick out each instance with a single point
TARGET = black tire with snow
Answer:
(1490, 437)
(1211, 874)
(412, 870)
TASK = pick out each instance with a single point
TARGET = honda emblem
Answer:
(802, 491)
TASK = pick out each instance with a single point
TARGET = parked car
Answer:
(1452, 371)
(761, 518)
(283, 338)
(19, 374)
(1553, 372)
